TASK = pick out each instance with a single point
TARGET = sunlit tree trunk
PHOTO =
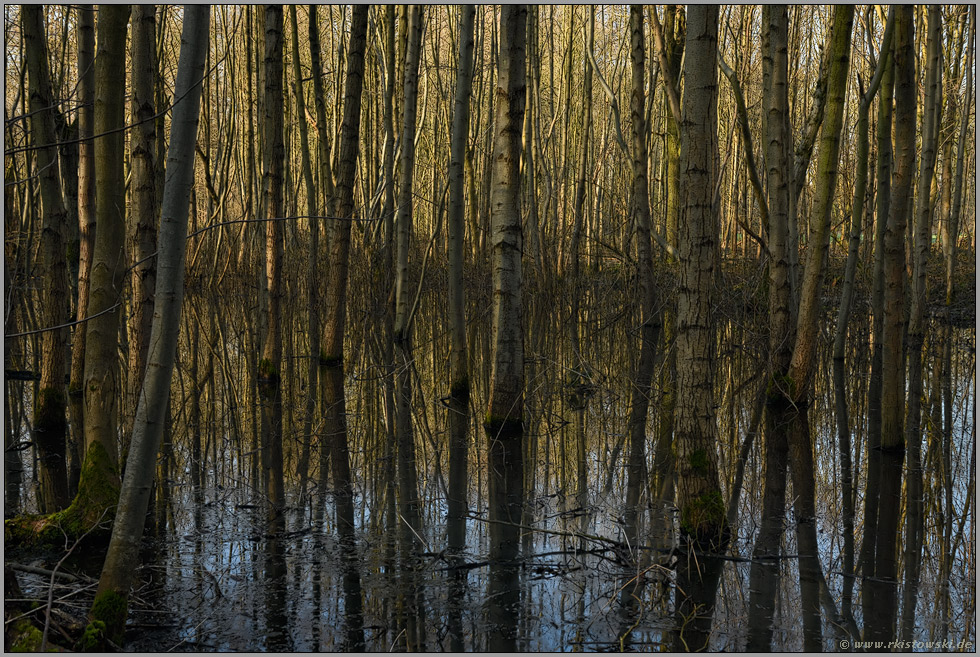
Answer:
(118, 572)
(843, 317)
(51, 404)
(703, 525)
(86, 230)
(922, 237)
(142, 228)
(270, 385)
(459, 392)
(764, 575)
(331, 361)
(881, 585)
(649, 317)
(103, 389)
(313, 297)
(505, 418)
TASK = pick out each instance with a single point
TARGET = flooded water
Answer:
(218, 577)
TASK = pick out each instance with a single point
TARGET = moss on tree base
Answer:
(91, 511)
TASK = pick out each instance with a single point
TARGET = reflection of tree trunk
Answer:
(51, 404)
(880, 624)
(916, 328)
(704, 530)
(277, 625)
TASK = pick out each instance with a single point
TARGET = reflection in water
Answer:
(540, 557)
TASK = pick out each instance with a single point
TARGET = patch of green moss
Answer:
(98, 495)
(93, 638)
(703, 518)
(699, 461)
(110, 607)
(24, 637)
(500, 427)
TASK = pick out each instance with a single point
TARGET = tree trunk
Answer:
(704, 530)
(459, 391)
(270, 385)
(843, 317)
(922, 238)
(142, 228)
(118, 572)
(880, 625)
(86, 230)
(505, 419)
(332, 352)
(50, 406)
(102, 385)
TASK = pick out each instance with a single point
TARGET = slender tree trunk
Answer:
(866, 559)
(459, 392)
(649, 317)
(332, 352)
(51, 403)
(764, 575)
(313, 298)
(102, 387)
(142, 229)
(704, 529)
(843, 316)
(922, 238)
(86, 230)
(110, 605)
(270, 385)
(881, 585)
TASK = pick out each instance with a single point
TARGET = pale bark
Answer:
(118, 572)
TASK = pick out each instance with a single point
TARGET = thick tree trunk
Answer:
(51, 402)
(118, 572)
(704, 529)
(505, 418)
